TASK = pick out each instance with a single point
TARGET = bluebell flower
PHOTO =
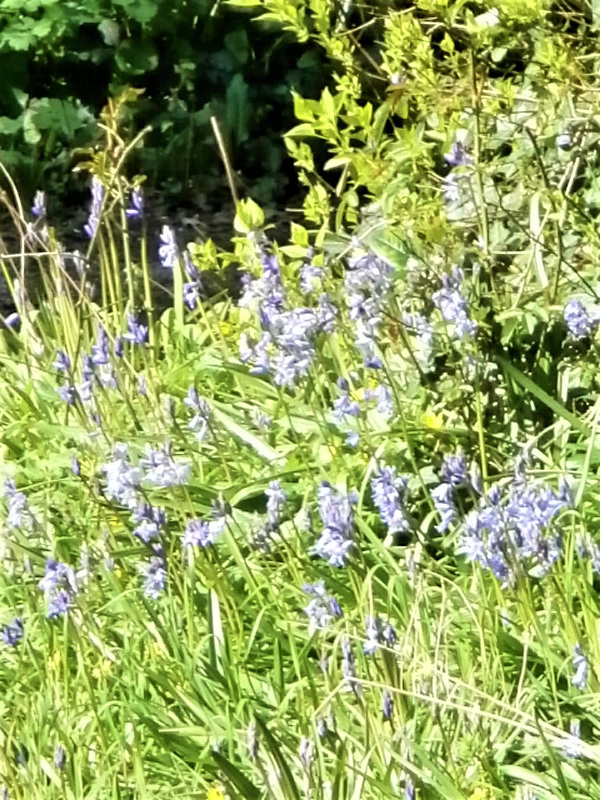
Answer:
(257, 353)
(68, 394)
(444, 504)
(191, 294)
(38, 208)
(59, 603)
(201, 533)
(136, 209)
(580, 664)
(389, 635)
(322, 609)
(149, 522)
(454, 306)
(458, 155)
(409, 788)
(100, 355)
(455, 470)
(122, 478)
(142, 386)
(310, 277)
(387, 704)
(155, 577)
(451, 187)
(373, 635)
(160, 469)
(276, 501)
(579, 322)
(168, 248)
(136, 333)
(385, 402)
(344, 407)
(367, 283)
(199, 422)
(19, 516)
(75, 466)
(197, 534)
(62, 362)
(95, 208)
(13, 632)
(337, 516)
(514, 530)
(389, 491)
(260, 420)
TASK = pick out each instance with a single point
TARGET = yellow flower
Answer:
(434, 421)
(225, 328)
(102, 669)
(479, 794)
(215, 794)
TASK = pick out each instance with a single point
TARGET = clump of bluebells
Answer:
(322, 609)
(337, 515)
(454, 306)
(580, 323)
(513, 530)
(368, 283)
(286, 346)
(59, 584)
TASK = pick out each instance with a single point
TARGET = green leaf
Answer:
(136, 57)
(543, 396)
(237, 778)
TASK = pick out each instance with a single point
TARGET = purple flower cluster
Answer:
(19, 516)
(60, 587)
(38, 208)
(136, 209)
(167, 250)
(513, 530)
(202, 533)
(454, 474)
(286, 347)
(276, 502)
(579, 322)
(389, 493)
(122, 478)
(13, 632)
(154, 573)
(383, 396)
(91, 225)
(367, 283)
(161, 469)
(461, 161)
(149, 522)
(337, 516)
(323, 607)
(199, 422)
(453, 306)
(580, 664)
(378, 634)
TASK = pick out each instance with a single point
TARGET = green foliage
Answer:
(60, 60)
